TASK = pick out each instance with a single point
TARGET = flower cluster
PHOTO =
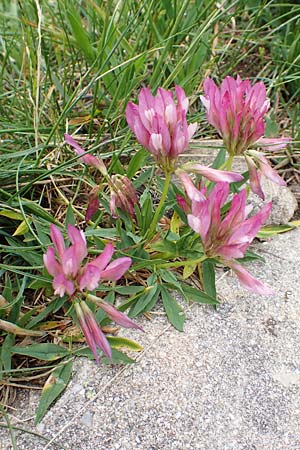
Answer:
(160, 125)
(71, 277)
(122, 192)
(65, 263)
(122, 195)
(224, 238)
(91, 330)
(236, 110)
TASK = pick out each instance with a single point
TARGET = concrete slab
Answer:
(230, 382)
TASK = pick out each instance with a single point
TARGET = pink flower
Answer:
(65, 263)
(160, 125)
(225, 238)
(236, 110)
(122, 195)
(250, 282)
(273, 144)
(259, 165)
(92, 332)
(117, 316)
(93, 205)
(211, 174)
(88, 159)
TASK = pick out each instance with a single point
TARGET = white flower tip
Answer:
(205, 101)
(156, 140)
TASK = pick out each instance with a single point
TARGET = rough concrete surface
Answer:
(229, 382)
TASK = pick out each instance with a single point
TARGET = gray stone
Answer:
(87, 419)
(284, 203)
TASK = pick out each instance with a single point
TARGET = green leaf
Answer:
(188, 270)
(45, 352)
(53, 387)
(52, 307)
(168, 276)
(43, 237)
(137, 162)
(271, 128)
(118, 358)
(128, 290)
(15, 306)
(272, 230)
(79, 33)
(145, 302)
(209, 278)
(101, 232)
(10, 327)
(220, 159)
(251, 256)
(11, 214)
(195, 295)
(174, 312)
(70, 218)
(120, 342)
(147, 213)
(6, 351)
(21, 229)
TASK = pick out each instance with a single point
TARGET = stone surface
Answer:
(231, 381)
(284, 203)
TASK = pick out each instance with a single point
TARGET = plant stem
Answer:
(164, 194)
(229, 162)
(182, 263)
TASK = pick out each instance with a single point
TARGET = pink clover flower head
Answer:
(122, 195)
(92, 332)
(65, 264)
(160, 124)
(225, 238)
(236, 109)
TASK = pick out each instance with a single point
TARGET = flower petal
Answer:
(87, 332)
(62, 285)
(78, 240)
(70, 262)
(50, 262)
(103, 259)
(119, 317)
(96, 332)
(254, 178)
(213, 174)
(249, 281)
(90, 278)
(115, 270)
(88, 159)
(57, 239)
(269, 172)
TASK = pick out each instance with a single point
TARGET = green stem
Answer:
(229, 162)
(164, 194)
(181, 263)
